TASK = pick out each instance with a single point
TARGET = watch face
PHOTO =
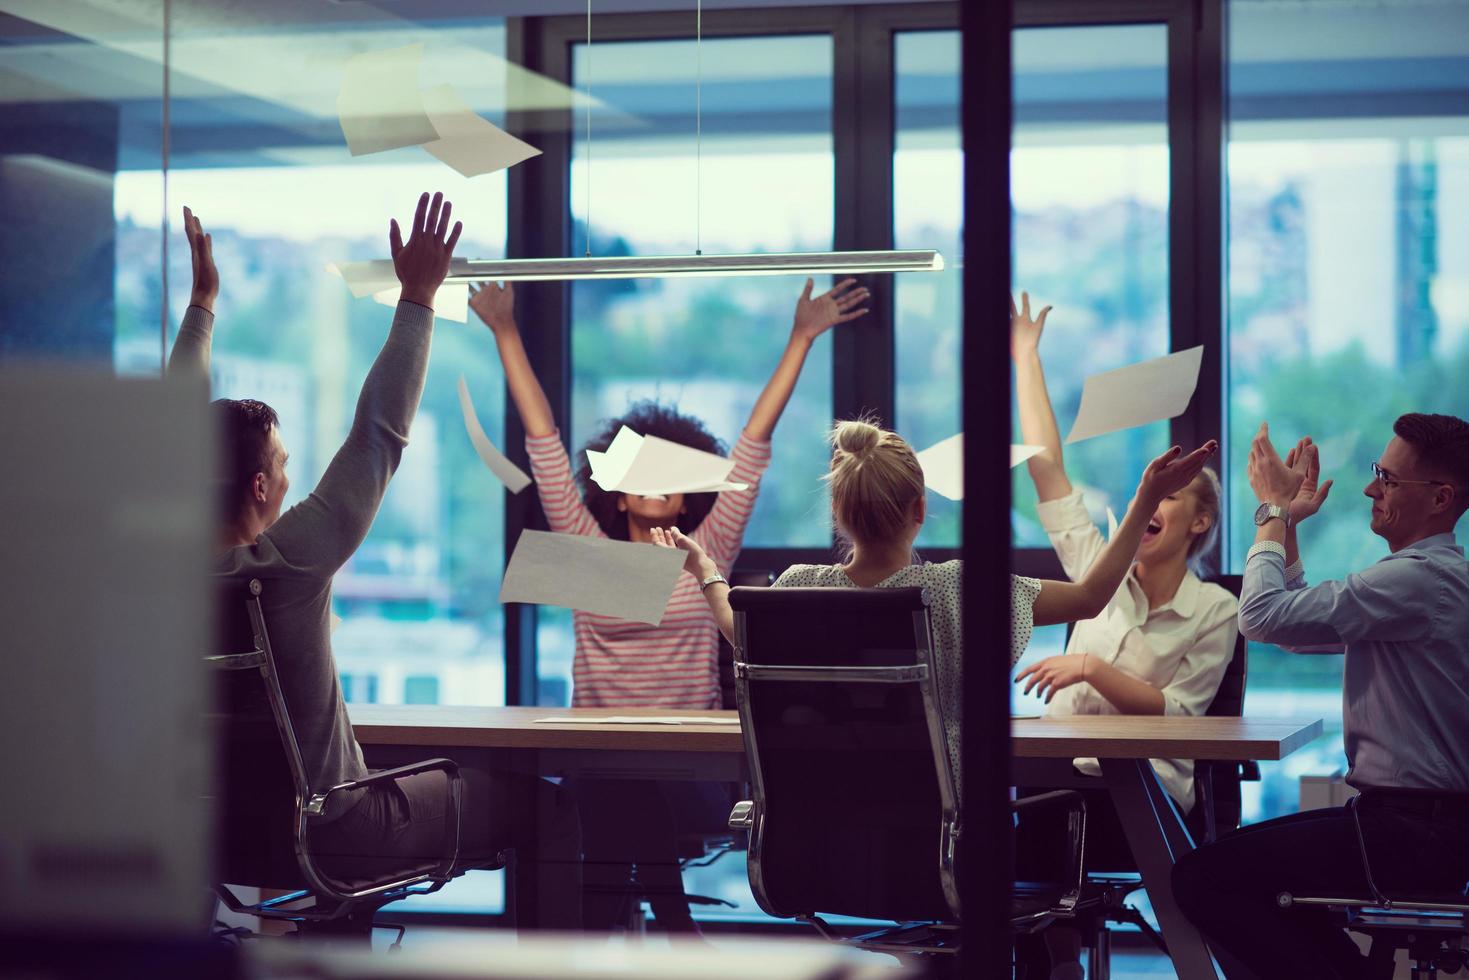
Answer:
(1262, 514)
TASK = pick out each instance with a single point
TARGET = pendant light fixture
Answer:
(661, 266)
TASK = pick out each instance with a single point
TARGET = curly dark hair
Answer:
(647, 418)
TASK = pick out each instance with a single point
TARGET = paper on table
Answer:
(1137, 394)
(505, 471)
(596, 575)
(635, 720)
(943, 465)
(451, 301)
(650, 467)
(471, 145)
(379, 104)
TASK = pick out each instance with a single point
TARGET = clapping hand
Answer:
(1304, 457)
(1171, 472)
(423, 262)
(837, 305)
(1025, 332)
(1272, 480)
(201, 257)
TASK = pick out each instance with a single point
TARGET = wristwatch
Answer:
(716, 577)
(1268, 512)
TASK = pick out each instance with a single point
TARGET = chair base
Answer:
(910, 938)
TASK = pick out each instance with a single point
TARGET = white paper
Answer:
(471, 145)
(506, 472)
(335, 621)
(652, 467)
(451, 301)
(596, 575)
(1020, 452)
(634, 720)
(1137, 394)
(380, 106)
(366, 278)
(1111, 524)
(943, 465)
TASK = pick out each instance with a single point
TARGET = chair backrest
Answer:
(260, 782)
(1229, 700)
(854, 808)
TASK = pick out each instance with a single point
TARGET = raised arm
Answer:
(495, 305)
(320, 533)
(813, 318)
(1066, 602)
(1037, 419)
(191, 348)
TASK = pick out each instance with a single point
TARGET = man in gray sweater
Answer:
(296, 554)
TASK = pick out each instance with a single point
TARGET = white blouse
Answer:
(1182, 647)
(943, 582)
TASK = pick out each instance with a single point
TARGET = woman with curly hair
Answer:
(619, 663)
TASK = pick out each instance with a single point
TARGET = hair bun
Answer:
(856, 437)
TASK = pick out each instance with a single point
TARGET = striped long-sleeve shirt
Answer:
(676, 663)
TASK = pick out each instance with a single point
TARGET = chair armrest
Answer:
(317, 805)
(1055, 797)
(1074, 802)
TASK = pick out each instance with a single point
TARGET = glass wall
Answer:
(1089, 187)
(1349, 283)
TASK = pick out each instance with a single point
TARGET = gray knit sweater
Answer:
(296, 557)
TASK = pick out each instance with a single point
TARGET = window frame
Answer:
(863, 141)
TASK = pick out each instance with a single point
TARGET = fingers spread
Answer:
(442, 225)
(1014, 310)
(420, 214)
(806, 293)
(454, 236)
(1040, 319)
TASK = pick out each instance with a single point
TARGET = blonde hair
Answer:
(1208, 493)
(875, 479)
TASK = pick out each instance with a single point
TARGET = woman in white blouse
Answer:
(1162, 643)
(878, 505)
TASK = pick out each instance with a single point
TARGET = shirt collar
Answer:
(1184, 602)
(1445, 539)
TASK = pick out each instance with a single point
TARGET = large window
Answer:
(1349, 283)
(1089, 186)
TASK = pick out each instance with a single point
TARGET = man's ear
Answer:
(622, 503)
(1445, 498)
(258, 488)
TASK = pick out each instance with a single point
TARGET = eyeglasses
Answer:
(1389, 481)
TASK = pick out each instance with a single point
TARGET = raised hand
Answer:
(1305, 458)
(1025, 331)
(1272, 480)
(837, 305)
(1172, 471)
(201, 257)
(423, 262)
(696, 562)
(494, 304)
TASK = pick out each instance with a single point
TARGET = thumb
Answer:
(1324, 489)
(395, 237)
(806, 293)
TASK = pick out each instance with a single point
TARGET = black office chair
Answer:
(263, 805)
(1217, 802)
(853, 810)
(1431, 927)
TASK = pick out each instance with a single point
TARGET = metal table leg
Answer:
(1158, 838)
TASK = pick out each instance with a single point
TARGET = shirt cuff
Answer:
(1063, 513)
(1266, 548)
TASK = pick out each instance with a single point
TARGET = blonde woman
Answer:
(1161, 644)
(878, 506)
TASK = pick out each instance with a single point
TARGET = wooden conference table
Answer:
(1043, 748)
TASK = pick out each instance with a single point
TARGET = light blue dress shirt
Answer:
(1404, 625)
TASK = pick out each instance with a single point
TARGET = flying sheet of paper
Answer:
(652, 467)
(1111, 524)
(451, 301)
(506, 472)
(943, 465)
(380, 105)
(471, 145)
(595, 575)
(1137, 394)
(634, 720)
(335, 622)
(366, 278)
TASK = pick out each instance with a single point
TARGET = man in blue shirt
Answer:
(1403, 625)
